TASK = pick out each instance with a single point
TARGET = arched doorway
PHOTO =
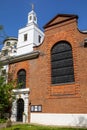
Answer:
(20, 109)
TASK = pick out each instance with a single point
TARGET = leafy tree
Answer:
(6, 94)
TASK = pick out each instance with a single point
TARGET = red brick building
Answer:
(55, 74)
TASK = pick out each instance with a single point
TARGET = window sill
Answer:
(61, 84)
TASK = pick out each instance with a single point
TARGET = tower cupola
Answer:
(30, 35)
(32, 18)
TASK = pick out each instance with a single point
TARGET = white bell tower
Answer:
(30, 35)
(32, 18)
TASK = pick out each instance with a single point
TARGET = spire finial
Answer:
(32, 6)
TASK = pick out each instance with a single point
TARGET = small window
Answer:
(15, 51)
(85, 42)
(5, 53)
(39, 39)
(85, 45)
(21, 76)
(34, 18)
(25, 37)
(30, 17)
(15, 45)
(8, 44)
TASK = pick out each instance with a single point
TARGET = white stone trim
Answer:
(79, 120)
(23, 94)
(19, 91)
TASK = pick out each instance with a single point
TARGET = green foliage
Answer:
(2, 120)
(39, 127)
(6, 95)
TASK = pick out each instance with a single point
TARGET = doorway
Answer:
(20, 109)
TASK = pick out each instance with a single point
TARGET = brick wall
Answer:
(63, 98)
(14, 68)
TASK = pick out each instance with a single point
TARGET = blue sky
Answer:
(13, 13)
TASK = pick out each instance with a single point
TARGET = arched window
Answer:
(30, 17)
(62, 63)
(21, 76)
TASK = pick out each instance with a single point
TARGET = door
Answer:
(20, 109)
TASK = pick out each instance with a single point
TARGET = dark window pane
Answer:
(62, 71)
(62, 55)
(25, 37)
(39, 38)
(62, 63)
(22, 78)
(60, 47)
(63, 79)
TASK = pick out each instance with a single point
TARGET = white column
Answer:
(26, 103)
(14, 111)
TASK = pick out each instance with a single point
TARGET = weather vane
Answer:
(32, 6)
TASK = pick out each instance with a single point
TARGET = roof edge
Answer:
(10, 38)
(71, 16)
